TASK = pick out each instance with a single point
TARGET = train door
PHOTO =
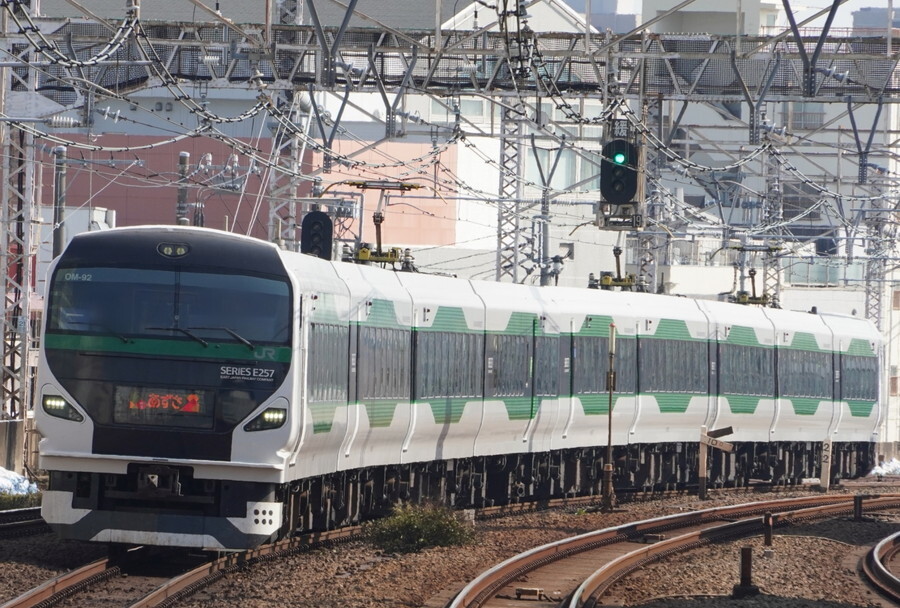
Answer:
(837, 411)
(545, 385)
(566, 402)
(712, 346)
(353, 405)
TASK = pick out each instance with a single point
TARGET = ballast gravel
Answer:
(806, 567)
(813, 566)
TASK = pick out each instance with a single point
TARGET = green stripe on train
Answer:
(860, 347)
(521, 324)
(598, 404)
(449, 319)
(804, 406)
(383, 313)
(743, 404)
(670, 329)
(450, 411)
(805, 341)
(742, 336)
(380, 413)
(860, 409)
(595, 326)
(446, 411)
(168, 348)
(322, 413)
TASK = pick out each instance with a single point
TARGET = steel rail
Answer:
(64, 585)
(479, 590)
(190, 582)
(875, 569)
(596, 584)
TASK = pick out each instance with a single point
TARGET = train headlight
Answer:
(173, 250)
(271, 418)
(60, 408)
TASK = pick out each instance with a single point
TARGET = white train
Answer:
(202, 389)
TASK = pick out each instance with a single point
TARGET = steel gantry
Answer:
(293, 55)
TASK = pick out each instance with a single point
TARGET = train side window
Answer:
(328, 362)
(674, 366)
(803, 373)
(546, 366)
(591, 362)
(511, 371)
(383, 363)
(746, 370)
(448, 364)
(859, 377)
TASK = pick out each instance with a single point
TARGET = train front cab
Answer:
(150, 382)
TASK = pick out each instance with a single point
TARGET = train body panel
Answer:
(673, 337)
(318, 410)
(518, 416)
(804, 377)
(582, 322)
(203, 389)
(745, 374)
(448, 318)
(859, 411)
(380, 411)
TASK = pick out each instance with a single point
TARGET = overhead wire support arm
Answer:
(328, 138)
(755, 105)
(328, 68)
(809, 63)
(864, 151)
(390, 118)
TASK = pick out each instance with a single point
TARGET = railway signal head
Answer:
(619, 172)
(315, 234)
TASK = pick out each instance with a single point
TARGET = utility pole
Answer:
(17, 218)
(543, 220)
(59, 199)
(184, 160)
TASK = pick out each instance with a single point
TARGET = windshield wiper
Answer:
(121, 337)
(108, 330)
(184, 331)
(232, 333)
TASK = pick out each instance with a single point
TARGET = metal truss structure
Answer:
(504, 61)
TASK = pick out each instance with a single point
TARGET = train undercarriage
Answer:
(352, 497)
(159, 504)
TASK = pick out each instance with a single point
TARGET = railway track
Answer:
(566, 574)
(98, 581)
(151, 582)
(881, 567)
(22, 522)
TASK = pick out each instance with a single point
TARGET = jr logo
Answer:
(265, 354)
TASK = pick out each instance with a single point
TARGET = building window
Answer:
(797, 198)
(803, 115)
(896, 299)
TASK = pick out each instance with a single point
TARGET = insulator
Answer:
(63, 122)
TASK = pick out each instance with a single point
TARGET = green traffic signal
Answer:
(619, 172)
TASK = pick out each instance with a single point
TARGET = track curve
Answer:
(631, 545)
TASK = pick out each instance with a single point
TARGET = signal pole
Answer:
(609, 494)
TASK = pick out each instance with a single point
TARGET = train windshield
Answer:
(203, 306)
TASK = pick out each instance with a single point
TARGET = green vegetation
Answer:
(19, 501)
(411, 528)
